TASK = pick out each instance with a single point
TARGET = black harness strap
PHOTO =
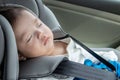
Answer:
(94, 54)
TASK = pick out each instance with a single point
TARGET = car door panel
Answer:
(93, 27)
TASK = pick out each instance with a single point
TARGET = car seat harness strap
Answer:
(74, 69)
(94, 54)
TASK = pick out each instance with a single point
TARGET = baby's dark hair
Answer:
(11, 13)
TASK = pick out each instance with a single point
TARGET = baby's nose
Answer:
(39, 34)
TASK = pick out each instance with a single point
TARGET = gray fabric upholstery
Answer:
(31, 4)
(42, 12)
(39, 67)
(1, 45)
(11, 68)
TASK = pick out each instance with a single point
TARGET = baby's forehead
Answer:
(22, 28)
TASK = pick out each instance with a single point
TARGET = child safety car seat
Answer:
(8, 50)
(10, 66)
(9, 55)
(43, 12)
(1, 46)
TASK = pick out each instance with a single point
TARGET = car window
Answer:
(111, 6)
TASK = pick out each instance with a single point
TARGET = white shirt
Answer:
(78, 54)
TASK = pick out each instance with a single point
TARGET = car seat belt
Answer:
(78, 70)
(44, 66)
(93, 53)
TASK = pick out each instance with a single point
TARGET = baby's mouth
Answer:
(45, 40)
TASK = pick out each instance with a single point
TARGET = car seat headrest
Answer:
(31, 4)
(43, 12)
(1, 45)
(10, 52)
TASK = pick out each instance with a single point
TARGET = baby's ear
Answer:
(21, 58)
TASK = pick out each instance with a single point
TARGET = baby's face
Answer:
(33, 37)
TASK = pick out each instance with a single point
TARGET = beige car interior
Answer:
(93, 27)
